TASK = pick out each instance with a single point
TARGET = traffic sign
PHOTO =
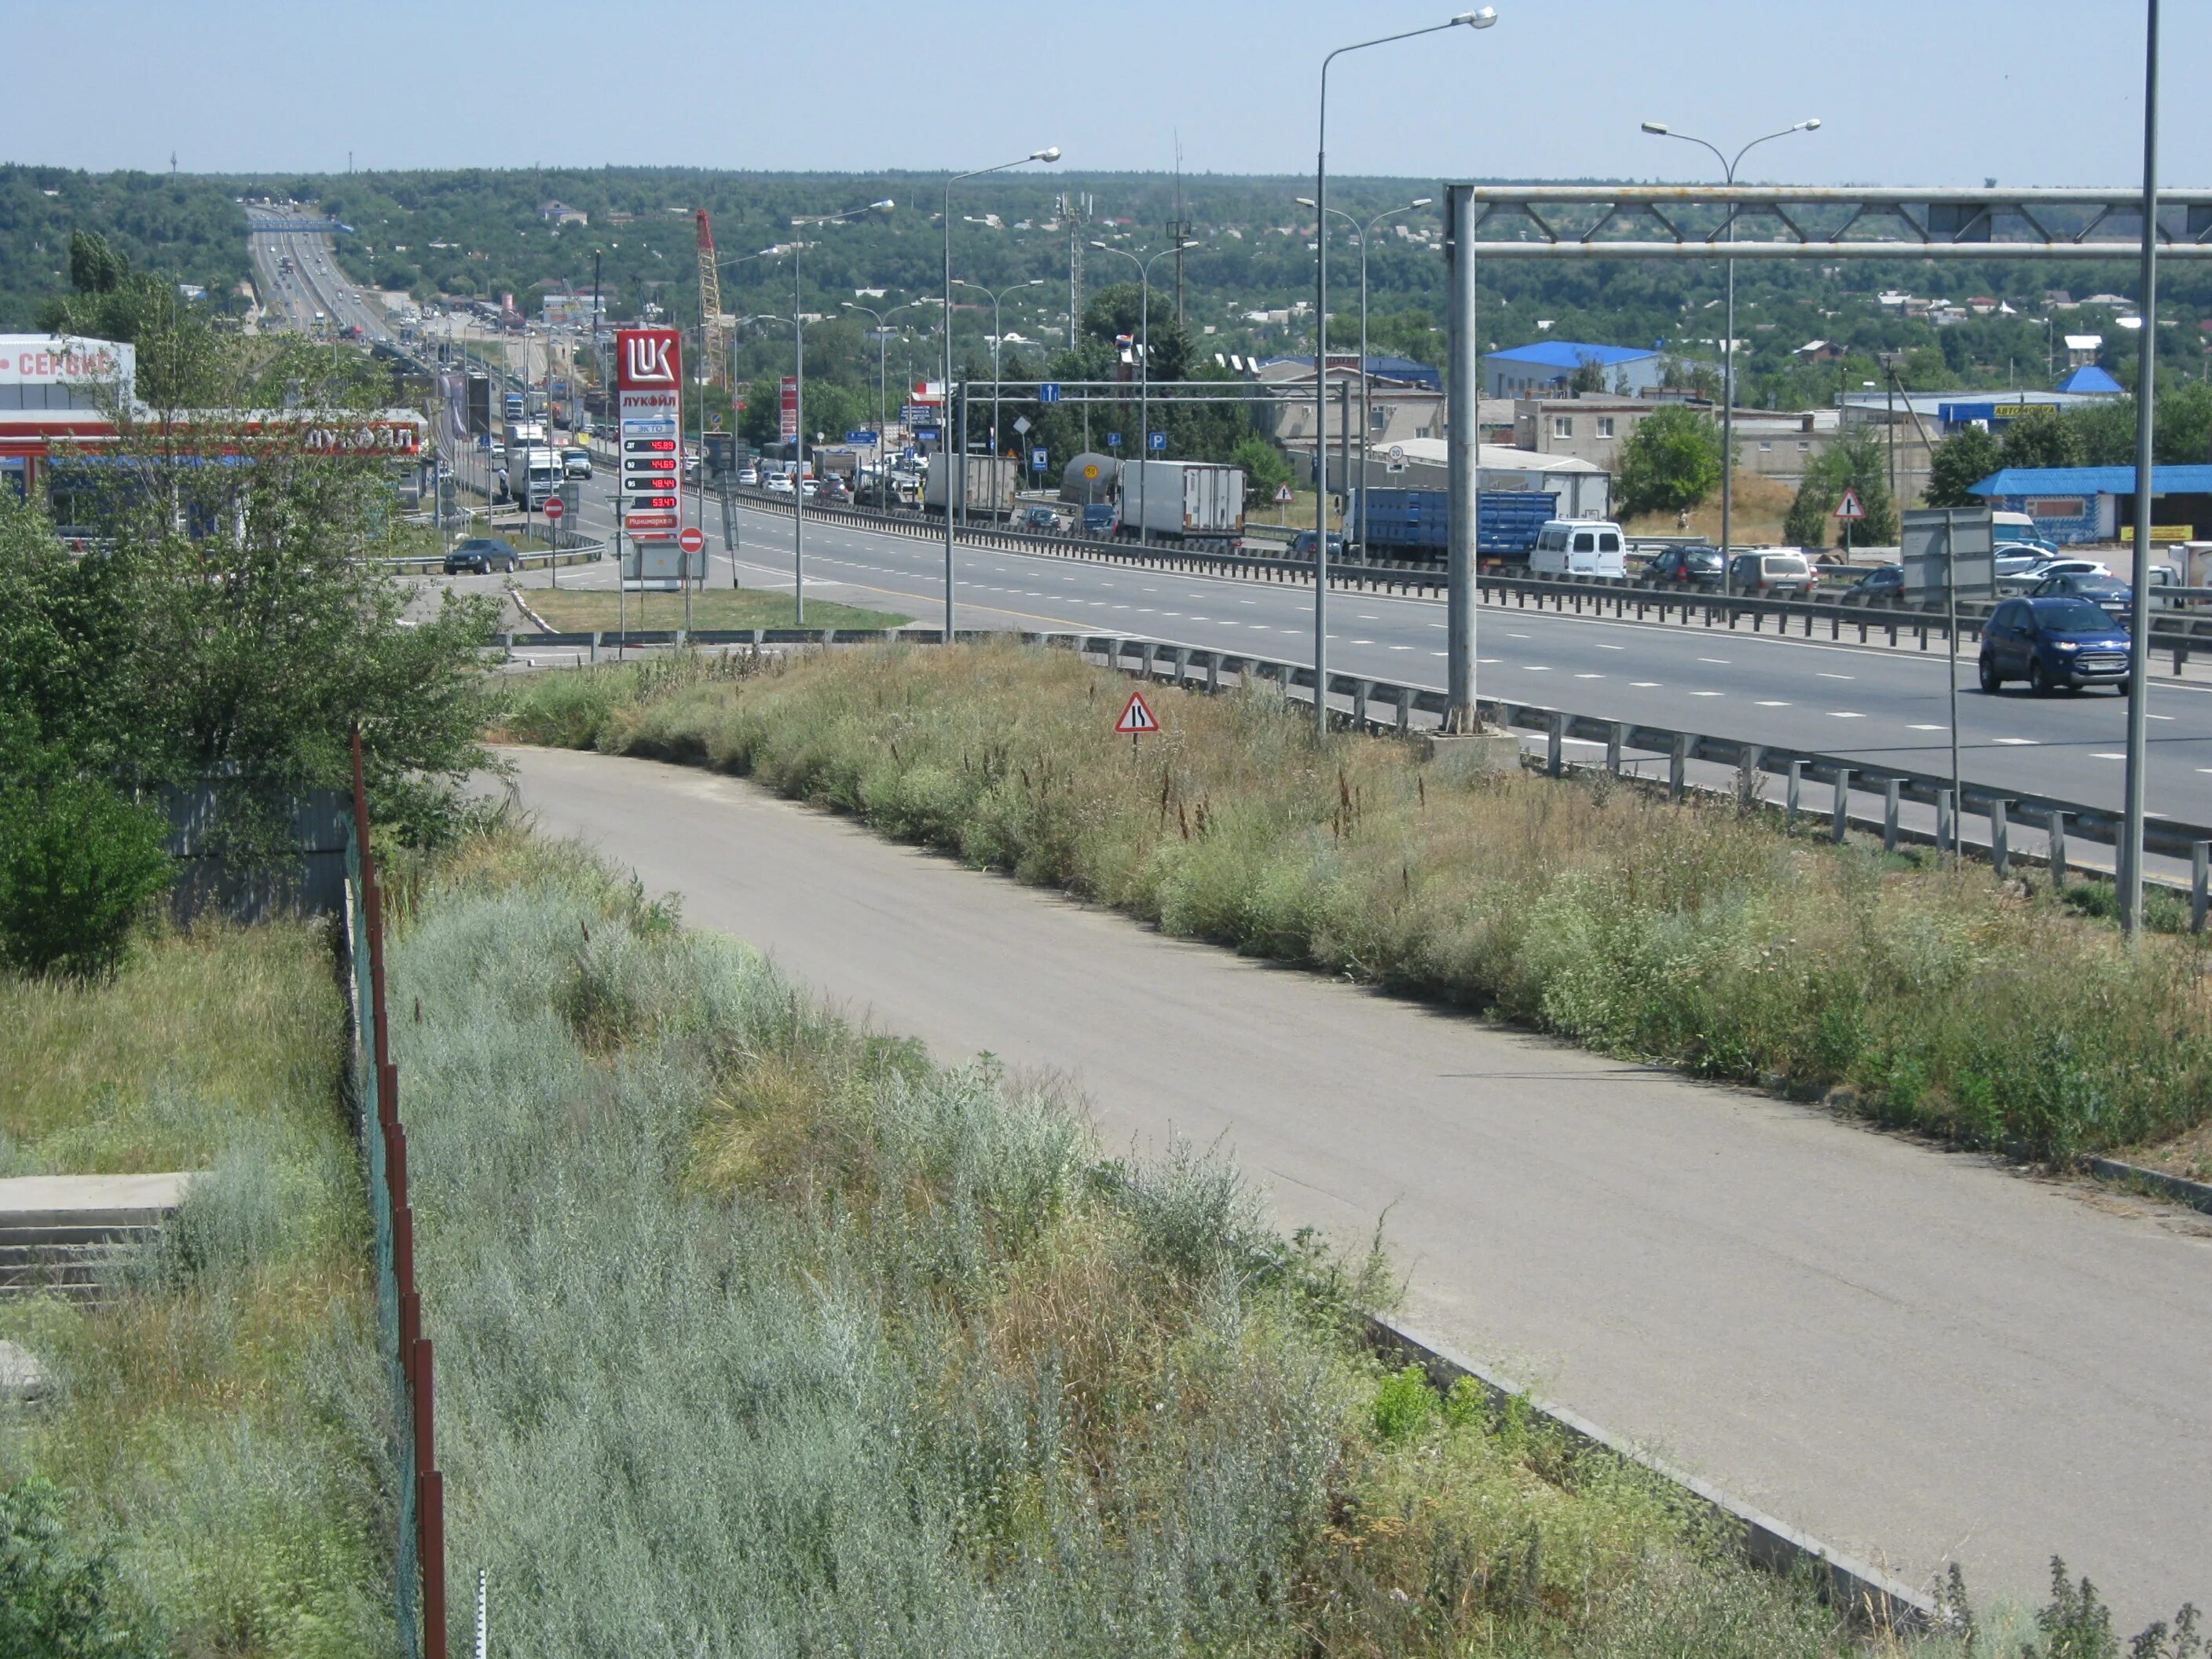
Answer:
(1850, 506)
(1091, 472)
(1113, 441)
(1136, 717)
(1048, 393)
(1021, 425)
(1282, 495)
(1397, 454)
(1036, 460)
(859, 437)
(1159, 441)
(693, 540)
(554, 509)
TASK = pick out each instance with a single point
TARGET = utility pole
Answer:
(2131, 855)
(1179, 229)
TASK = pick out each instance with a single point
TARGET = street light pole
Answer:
(1050, 153)
(2131, 855)
(882, 381)
(1366, 379)
(998, 337)
(1660, 129)
(1479, 20)
(1143, 374)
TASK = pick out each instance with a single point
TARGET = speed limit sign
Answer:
(692, 539)
(555, 507)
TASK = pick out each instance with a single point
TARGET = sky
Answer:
(1909, 91)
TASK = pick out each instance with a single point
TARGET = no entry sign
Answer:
(693, 540)
(555, 507)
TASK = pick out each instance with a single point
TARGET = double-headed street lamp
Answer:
(1143, 374)
(998, 334)
(1660, 129)
(798, 398)
(1049, 153)
(1366, 380)
(1475, 20)
(883, 351)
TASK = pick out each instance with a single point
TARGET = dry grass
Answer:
(1759, 507)
(1696, 934)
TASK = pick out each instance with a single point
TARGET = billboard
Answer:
(648, 401)
(787, 419)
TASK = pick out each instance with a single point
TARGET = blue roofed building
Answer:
(2088, 378)
(1532, 371)
(2074, 504)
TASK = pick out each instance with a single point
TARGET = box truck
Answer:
(1413, 525)
(989, 487)
(1186, 500)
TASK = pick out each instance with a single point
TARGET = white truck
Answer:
(525, 434)
(533, 476)
(1186, 500)
(989, 485)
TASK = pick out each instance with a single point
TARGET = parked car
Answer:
(2021, 580)
(1579, 547)
(2100, 590)
(2053, 643)
(1686, 567)
(1883, 582)
(481, 556)
(576, 463)
(1040, 522)
(1772, 574)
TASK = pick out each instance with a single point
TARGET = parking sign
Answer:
(1159, 441)
(1036, 460)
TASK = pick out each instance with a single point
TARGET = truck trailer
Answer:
(1415, 524)
(1182, 500)
(987, 488)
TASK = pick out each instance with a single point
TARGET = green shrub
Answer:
(60, 1597)
(78, 865)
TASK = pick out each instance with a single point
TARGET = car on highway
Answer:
(2109, 592)
(1772, 574)
(1883, 582)
(1040, 522)
(1301, 545)
(2027, 576)
(2054, 644)
(749, 476)
(576, 463)
(835, 491)
(1686, 567)
(481, 556)
(779, 484)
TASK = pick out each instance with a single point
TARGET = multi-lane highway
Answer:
(1882, 706)
(290, 299)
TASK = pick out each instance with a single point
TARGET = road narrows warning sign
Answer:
(1138, 717)
(1850, 506)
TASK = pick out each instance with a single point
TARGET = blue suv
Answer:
(2052, 643)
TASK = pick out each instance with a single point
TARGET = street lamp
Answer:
(1366, 380)
(1049, 153)
(799, 399)
(1144, 373)
(882, 379)
(1660, 129)
(997, 334)
(1475, 20)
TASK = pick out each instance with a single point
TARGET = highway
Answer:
(1872, 704)
(1916, 1356)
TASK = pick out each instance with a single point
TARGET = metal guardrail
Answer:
(1391, 706)
(581, 552)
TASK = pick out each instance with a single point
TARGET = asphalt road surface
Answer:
(1915, 1356)
(1878, 705)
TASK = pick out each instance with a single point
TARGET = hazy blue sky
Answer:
(1909, 91)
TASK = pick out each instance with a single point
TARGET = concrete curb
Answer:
(523, 606)
(2179, 1188)
(1868, 1598)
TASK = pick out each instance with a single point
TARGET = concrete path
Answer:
(1912, 1355)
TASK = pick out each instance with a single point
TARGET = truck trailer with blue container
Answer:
(1415, 524)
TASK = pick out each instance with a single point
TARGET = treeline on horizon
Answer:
(475, 233)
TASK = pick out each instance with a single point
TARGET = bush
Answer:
(78, 866)
(60, 1598)
(1672, 460)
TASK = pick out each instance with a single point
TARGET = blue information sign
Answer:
(1048, 393)
(1159, 441)
(859, 437)
(1036, 460)
(1113, 441)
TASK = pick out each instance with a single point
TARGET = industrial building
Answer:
(1548, 364)
(2073, 504)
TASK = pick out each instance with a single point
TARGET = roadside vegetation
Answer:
(759, 1332)
(207, 1474)
(1699, 934)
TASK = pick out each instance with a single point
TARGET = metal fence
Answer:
(310, 879)
(419, 1549)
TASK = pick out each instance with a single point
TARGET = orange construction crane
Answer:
(713, 343)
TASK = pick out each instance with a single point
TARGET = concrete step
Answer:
(71, 1236)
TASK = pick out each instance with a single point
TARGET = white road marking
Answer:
(2109, 754)
(1843, 714)
(1589, 676)
(1819, 674)
(1709, 694)
(1541, 668)
(2024, 742)
(1927, 728)
(1773, 705)
(1723, 661)
(1602, 647)
(1644, 686)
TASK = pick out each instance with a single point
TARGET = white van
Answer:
(1579, 547)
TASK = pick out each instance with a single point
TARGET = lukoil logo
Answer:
(647, 358)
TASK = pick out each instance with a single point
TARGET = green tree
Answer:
(1672, 460)
(1263, 464)
(2042, 437)
(179, 361)
(1966, 457)
(1855, 461)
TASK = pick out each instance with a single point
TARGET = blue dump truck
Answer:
(1411, 524)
